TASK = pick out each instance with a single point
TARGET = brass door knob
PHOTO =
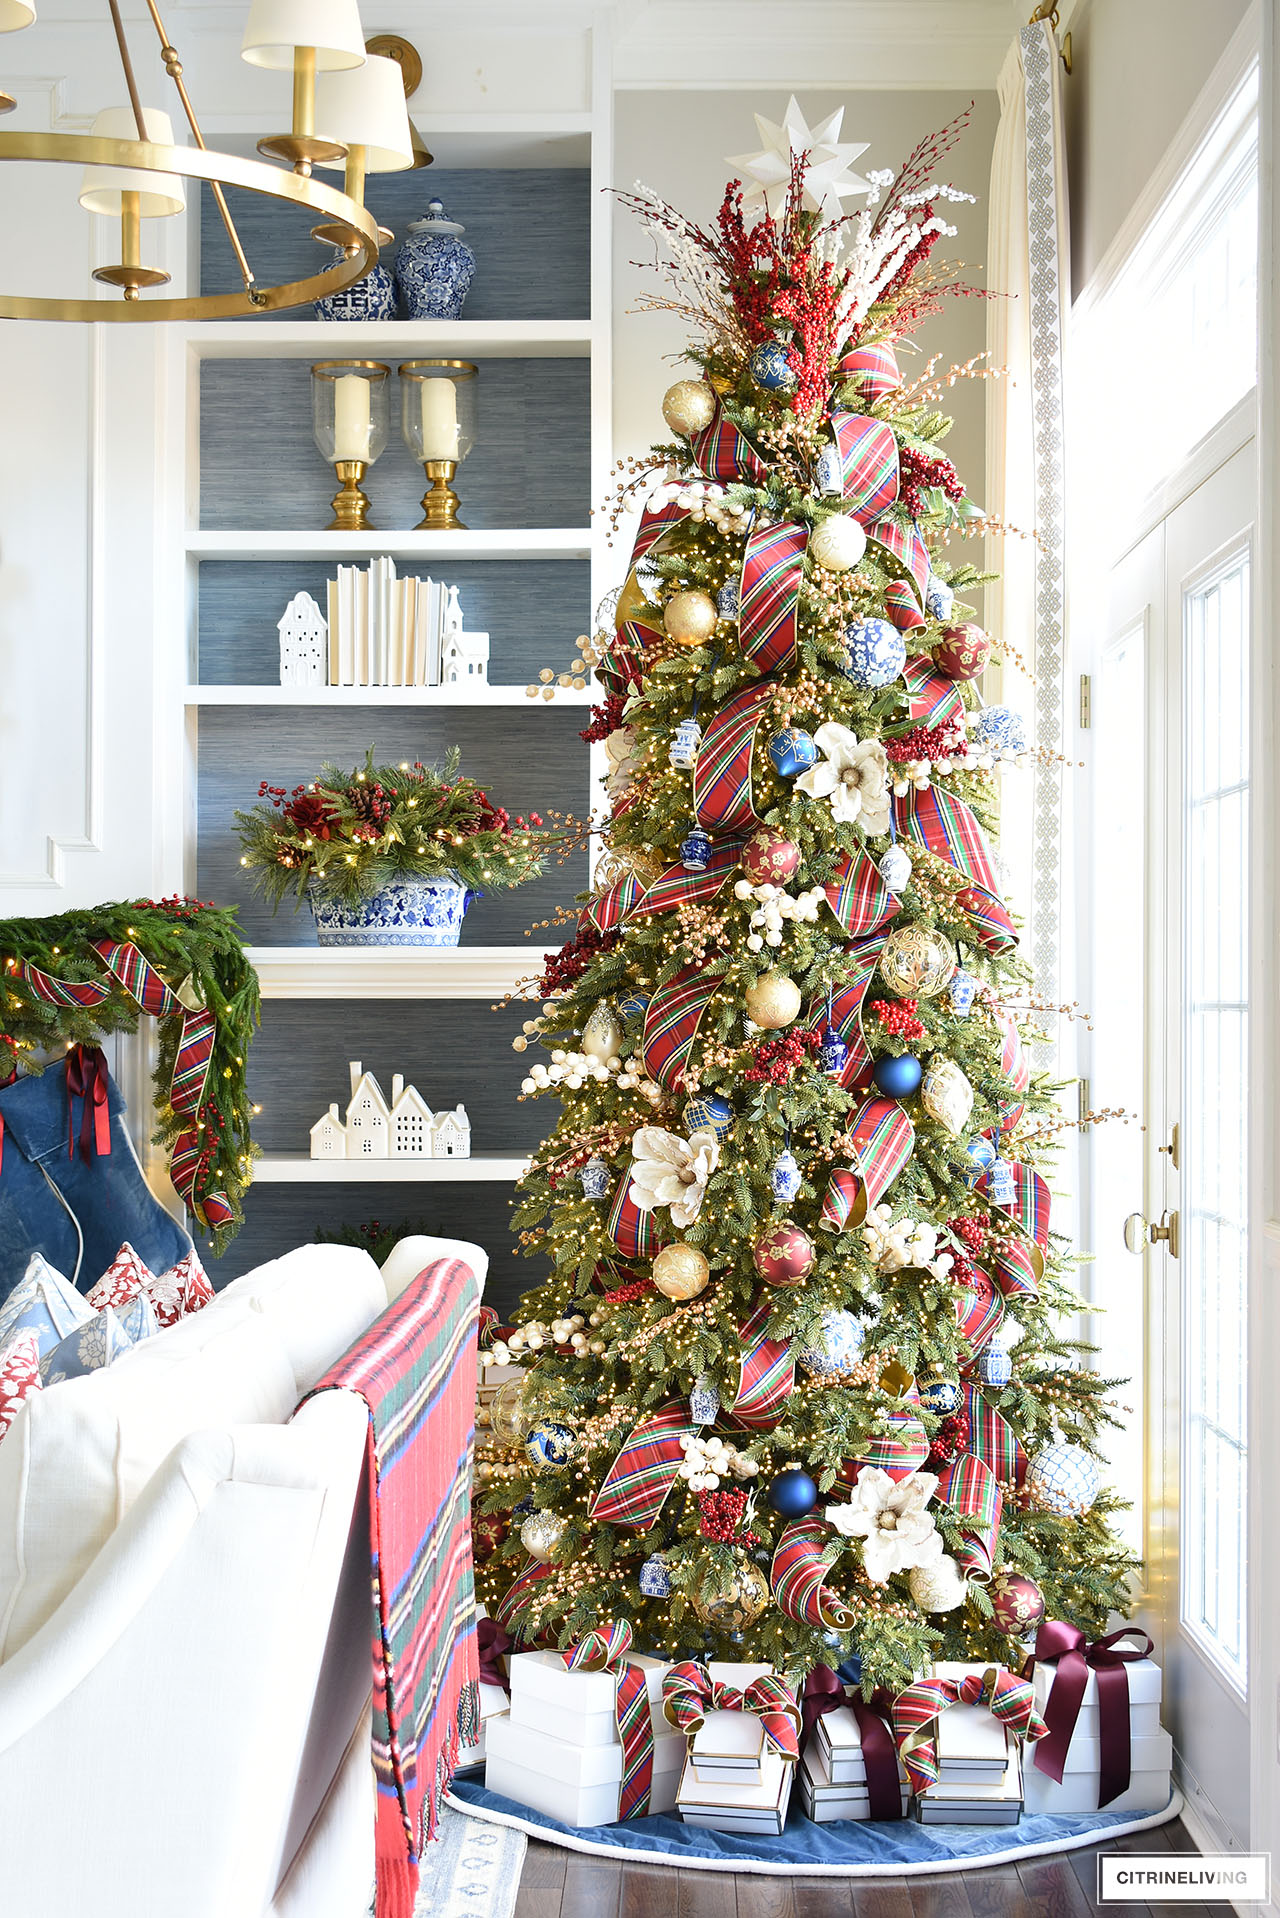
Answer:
(1138, 1235)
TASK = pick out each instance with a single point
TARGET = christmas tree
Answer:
(797, 1388)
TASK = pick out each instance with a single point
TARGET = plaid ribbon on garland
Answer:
(979, 1310)
(604, 1651)
(769, 600)
(916, 1711)
(689, 1693)
(949, 829)
(671, 1023)
(722, 791)
(899, 539)
(969, 1487)
(932, 698)
(902, 606)
(632, 1230)
(858, 896)
(882, 1139)
(677, 886)
(766, 1375)
(722, 452)
(845, 1011)
(634, 1489)
(901, 1448)
(655, 523)
(512, 1603)
(874, 368)
(992, 1439)
(798, 1576)
(993, 926)
(613, 906)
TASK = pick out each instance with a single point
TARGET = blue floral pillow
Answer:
(45, 1303)
(99, 1341)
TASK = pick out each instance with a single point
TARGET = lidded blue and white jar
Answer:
(370, 298)
(434, 267)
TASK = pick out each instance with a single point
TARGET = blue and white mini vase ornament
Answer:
(704, 1401)
(981, 1156)
(877, 652)
(938, 598)
(793, 752)
(695, 850)
(594, 1176)
(1001, 1189)
(961, 991)
(727, 599)
(434, 269)
(709, 1113)
(1000, 731)
(833, 1053)
(784, 1178)
(828, 473)
(371, 298)
(837, 1348)
(655, 1579)
(895, 868)
(994, 1366)
(685, 742)
(771, 369)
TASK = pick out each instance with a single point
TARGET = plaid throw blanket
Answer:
(415, 1369)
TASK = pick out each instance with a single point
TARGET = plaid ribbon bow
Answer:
(603, 1651)
(689, 1692)
(916, 1712)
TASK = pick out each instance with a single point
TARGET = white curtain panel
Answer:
(1028, 269)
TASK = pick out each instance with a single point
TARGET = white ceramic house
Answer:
(329, 1136)
(368, 1117)
(412, 1122)
(453, 1134)
(304, 643)
(465, 657)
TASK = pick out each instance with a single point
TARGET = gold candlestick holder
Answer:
(350, 503)
(440, 503)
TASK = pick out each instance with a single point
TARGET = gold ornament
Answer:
(946, 1095)
(774, 1000)
(690, 617)
(917, 962)
(737, 1605)
(508, 1419)
(837, 543)
(603, 1035)
(679, 1271)
(938, 1587)
(634, 607)
(722, 383)
(541, 1533)
(688, 406)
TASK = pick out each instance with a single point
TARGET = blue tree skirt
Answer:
(846, 1850)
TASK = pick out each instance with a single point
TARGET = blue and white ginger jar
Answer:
(434, 269)
(877, 652)
(370, 298)
(408, 912)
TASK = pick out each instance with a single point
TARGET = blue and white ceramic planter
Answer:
(371, 298)
(434, 269)
(408, 912)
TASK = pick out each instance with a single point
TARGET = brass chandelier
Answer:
(134, 171)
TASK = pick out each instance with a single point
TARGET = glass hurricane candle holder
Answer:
(349, 421)
(438, 420)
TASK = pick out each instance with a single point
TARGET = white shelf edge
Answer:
(472, 339)
(380, 696)
(372, 972)
(307, 543)
(286, 1168)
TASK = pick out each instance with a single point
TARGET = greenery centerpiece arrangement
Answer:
(389, 855)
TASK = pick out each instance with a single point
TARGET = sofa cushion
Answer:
(318, 1299)
(410, 1256)
(79, 1454)
(183, 1289)
(45, 1303)
(100, 1341)
(19, 1376)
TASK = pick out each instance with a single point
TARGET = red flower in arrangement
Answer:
(605, 719)
(898, 1016)
(720, 1514)
(775, 1060)
(951, 1439)
(947, 741)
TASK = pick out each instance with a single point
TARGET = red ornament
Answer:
(785, 1255)
(1016, 1601)
(963, 651)
(488, 1530)
(769, 858)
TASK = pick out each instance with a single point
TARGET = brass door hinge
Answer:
(1086, 702)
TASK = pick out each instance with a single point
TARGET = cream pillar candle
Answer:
(439, 420)
(351, 418)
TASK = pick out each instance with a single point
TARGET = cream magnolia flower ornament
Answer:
(766, 175)
(619, 751)
(889, 1516)
(852, 776)
(671, 1171)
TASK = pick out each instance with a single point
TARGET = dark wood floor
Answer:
(561, 1884)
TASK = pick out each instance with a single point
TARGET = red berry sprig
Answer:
(898, 1017)
(605, 719)
(720, 1514)
(948, 741)
(951, 1439)
(920, 474)
(774, 1061)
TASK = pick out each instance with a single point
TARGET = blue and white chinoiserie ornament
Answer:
(695, 850)
(792, 751)
(792, 1493)
(994, 1366)
(895, 868)
(634, 1006)
(828, 473)
(370, 298)
(727, 599)
(833, 1053)
(938, 598)
(941, 1396)
(434, 269)
(704, 1401)
(771, 369)
(980, 1155)
(594, 1176)
(549, 1443)
(1001, 731)
(961, 990)
(837, 1348)
(784, 1178)
(709, 1113)
(685, 742)
(877, 652)
(1001, 1189)
(1063, 1478)
(655, 1579)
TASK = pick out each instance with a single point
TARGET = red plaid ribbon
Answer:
(979, 1310)
(772, 563)
(882, 1138)
(613, 906)
(902, 606)
(633, 1231)
(993, 926)
(898, 538)
(655, 524)
(845, 1011)
(722, 792)
(932, 698)
(869, 461)
(509, 1607)
(992, 1439)
(798, 1576)
(949, 828)
(724, 453)
(1015, 1269)
(874, 368)
(634, 1489)
(901, 1448)
(689, 1693)
(969, 1487)
(1076, 1659)
(858, 896)
(916, 1712)
(671, 1023)
(606, 1650)
(1030, 1213)
(767, 1373)
(679, 887)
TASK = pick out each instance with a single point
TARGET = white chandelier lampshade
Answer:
(102, 188)
(15, 14)
(276, 28)
(365, 107)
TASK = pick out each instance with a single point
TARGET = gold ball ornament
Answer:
(690, 617)
(602, 1035)
(837, 543)
(541, 1533)
(688, 406)
(917, 962)
(773, 1000)
(680, 1271)
(742, 1597)
(508, 1418)
(939, 1587)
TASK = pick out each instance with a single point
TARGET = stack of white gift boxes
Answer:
(979, 1766)
(733, 1780)
(557, 1749)
(833, 1771)
(1150, 1749)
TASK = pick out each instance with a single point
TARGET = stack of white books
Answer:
(733, 1780)
(979, 1768)
(385, 631)
(833, 1771)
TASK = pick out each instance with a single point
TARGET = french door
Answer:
(1167, 945)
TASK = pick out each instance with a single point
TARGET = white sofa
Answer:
(185, 1620)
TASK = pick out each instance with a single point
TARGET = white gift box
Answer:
(578, 1784)
(1144, 1701)
(996, 1803)
(494, 1703)
(728, 1748)
(1150, 1759)
(758, 1807)
(576, 1706)
(973, 1748)
(839, 1747)
(826, 1802)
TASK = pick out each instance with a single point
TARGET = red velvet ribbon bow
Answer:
(1076, 1659)
(824, 1693)
(87, 1080)
(493, 1644)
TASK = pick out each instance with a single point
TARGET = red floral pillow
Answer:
(174, 1294)
(19, 1376)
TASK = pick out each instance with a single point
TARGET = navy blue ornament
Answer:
(994, 1366)
(850, 1673)
(980, 1155)
(549, 1443)
(524, 1507)
(792, 751)
(793, 1493)
(897, 1077)
(709, 1113)
(940, 1395)
(634, 1006)
(833, 1053)
(695, 850)
(877, 652)
(771, 369)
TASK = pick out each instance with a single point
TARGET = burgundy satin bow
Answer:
(7, 1080)
(493, 1644)
(1076, 1659)
(87, 1080)
(823, 1693)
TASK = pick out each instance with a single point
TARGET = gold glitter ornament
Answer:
(946, 1095)
(541, 1533)
(690, 617)
(508, 1419)
(917, 962)
(774, 1000)
(688, 406)
(680, 1271)
(741, 1599)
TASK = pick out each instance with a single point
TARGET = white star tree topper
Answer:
(767, 174)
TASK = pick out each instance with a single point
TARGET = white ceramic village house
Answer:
(405, 1129)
